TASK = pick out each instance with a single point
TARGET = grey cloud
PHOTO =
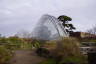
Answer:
(24, 14)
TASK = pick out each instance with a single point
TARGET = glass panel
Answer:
(49, 28)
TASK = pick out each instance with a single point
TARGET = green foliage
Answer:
(64, 19)
(15, 40)
(93, 40)
(3, 40)
(50, 45)
(88, 40)
(38, 43)
(9, 45)
(42, 52)
(25, 45)
(5, 55)
(72, 59)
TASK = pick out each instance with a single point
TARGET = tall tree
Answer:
(65, 22)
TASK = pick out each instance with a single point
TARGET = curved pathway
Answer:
(26, 57)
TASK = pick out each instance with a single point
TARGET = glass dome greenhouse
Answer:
(49, 28)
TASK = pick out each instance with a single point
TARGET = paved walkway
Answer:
(25, 57)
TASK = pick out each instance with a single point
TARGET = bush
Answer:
(50, 45)
(67, 48)
(38, 43)
(5, 55)
(42, 52)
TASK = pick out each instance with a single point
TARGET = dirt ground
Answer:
(25, 57)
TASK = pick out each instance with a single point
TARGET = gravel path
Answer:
(25, 57)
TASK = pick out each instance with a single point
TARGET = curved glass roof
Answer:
(49, 28)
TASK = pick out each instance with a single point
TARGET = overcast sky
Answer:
(16, 15)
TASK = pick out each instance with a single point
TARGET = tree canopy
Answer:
(65, 22)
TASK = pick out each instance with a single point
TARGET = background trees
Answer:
(92, 30)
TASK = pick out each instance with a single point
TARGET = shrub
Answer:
(50, 45)
(42, 52)
(67, 48)
(37, 43)
(5, 55)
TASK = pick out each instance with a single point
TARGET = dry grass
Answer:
(65, 50)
